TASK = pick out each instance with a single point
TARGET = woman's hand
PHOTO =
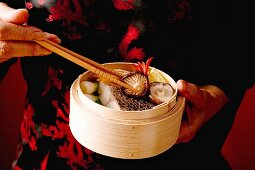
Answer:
(16, 38)
(202, 103)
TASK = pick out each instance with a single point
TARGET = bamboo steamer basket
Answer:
(124, 134)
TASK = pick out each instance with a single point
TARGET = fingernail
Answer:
(182, 85)
(182, 88)
(21, 9)
(56, 40)
(52, 37)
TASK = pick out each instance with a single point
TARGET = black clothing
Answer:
(199, 41)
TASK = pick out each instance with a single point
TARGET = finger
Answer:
(52, 37)
(187, 131)
(16, 16)
(9, 31)
(185, 127)
(3, 59)
(184, 132)
(10, 49)
(191, 92)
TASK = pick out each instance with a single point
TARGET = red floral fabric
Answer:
(45, 134)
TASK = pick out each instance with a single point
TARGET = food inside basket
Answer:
(151, 84)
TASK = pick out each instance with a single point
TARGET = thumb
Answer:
(191, 92)
(15, 16)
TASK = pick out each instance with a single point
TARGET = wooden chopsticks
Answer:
(86, 63)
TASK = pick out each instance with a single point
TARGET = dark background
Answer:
(239, 148)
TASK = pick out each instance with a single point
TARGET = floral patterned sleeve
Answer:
(45, 136)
